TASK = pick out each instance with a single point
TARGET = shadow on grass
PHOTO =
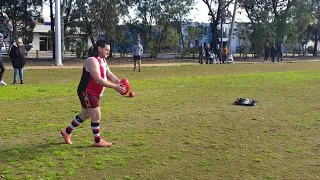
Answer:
(30, 152)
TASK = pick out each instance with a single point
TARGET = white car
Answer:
(4, 49)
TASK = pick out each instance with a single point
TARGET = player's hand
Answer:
(121, 88)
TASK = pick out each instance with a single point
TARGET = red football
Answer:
(131, 94)
(124, 82)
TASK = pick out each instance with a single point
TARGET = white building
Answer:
(42, 40)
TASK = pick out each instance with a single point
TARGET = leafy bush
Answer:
(72, 51)
(186, 52)
(81, 50)
(152, 48)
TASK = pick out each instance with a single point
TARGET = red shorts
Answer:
(88, 100)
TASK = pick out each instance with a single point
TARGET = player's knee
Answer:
(96, 116)
(84, 115)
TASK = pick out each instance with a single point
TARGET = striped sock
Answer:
(96, 131)
(75, 123)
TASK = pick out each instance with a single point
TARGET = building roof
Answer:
(40, 28)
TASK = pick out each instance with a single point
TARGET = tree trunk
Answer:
(14, 30)
(111, 44)
(89, 30)
(52, 30)
(293, 55)
(232, 24)
(181, 34)
(24, 30)
(150, 33)
(92, 39)
(215, 39)
(316, 39)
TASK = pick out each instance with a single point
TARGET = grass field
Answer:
(181, 124)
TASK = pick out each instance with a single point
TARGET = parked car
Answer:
(4, 49)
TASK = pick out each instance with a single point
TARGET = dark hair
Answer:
(93, 52)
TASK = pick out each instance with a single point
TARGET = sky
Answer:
(198, 14)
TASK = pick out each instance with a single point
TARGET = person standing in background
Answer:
(273, 52)
(225, 52)
(280, 52)
(17, 54)
(219, 53)
(207, 52)
(201, 52)
(2, 69)
(137, 51)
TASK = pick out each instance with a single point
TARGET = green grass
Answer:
(181, 124)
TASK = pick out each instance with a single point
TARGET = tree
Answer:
(158, 16)
(122, 39)
(135, 29)
(97, 18)
(22, 15)
(196, 32)
(4, 21)
(281, 13)
(244, 30)
(314, 6)
(146, 12)
(172, 39)
(297, 27)
(218, 12)
(258, 12)
(180, 12)
(66, 10)
(52, 29)
(271, 20)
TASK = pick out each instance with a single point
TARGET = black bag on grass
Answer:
(245, 102)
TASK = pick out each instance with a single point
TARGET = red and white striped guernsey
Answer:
(87, 83)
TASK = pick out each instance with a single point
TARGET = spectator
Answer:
(2, 69)
(280, 52)
(273, 52)
(212, 57)
(137, 51)
(207, 52)
(218, 53)
(17, 55)
(225, 52)
(201, 52)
